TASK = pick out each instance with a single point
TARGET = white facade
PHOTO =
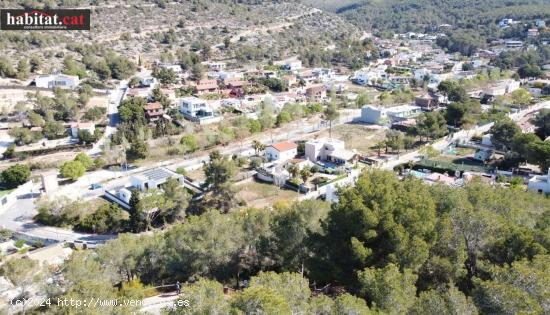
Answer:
(124, 194)
(540, 184)
(373, 115)
(293, 65)
(195, 107)
(486, 139)
(403, 112)
(381, 116)
(483, 155)
(321, 150)
(281, 151)
(153, 178)
(513, 44)
(76, 127)
(57, 80)
(215, 66)
(148, 82)
(49, 181)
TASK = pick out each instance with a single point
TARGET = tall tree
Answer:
(15, 175)
(331, 114)
(219, 172)
(503, 132)
(389, 289)
(542, 123)
(376, 222)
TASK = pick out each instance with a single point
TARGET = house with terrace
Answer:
(153, 111)
(57, 81)
(197, 110)
(206, 87)
(281, 151)
(329, 150)
(145, 181)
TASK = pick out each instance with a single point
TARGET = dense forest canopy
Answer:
(395, 246)
(424, 15)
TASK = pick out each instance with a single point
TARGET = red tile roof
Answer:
(152, 106)
(284, 146)
(206, 85)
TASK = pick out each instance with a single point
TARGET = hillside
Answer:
(421, 15)
(256, 30)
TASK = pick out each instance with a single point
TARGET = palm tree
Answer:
(293, 170)
(258, 146)
(305, 173)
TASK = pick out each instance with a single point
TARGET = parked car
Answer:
(95, 186)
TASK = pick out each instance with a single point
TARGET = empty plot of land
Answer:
(98, 101)
(10, 97)
(357, 136)
(259, 195)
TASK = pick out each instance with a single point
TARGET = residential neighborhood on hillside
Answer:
(274, 157)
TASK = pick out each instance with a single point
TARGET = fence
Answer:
(8, 200)
(442, 166)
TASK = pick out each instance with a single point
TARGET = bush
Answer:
(10, 151)
(108, 218)
(256, 161)
(19, 243)
(138, 150)
(99, 163)
(73, 170)
(173, 151)
(61, 212)
(135, 289)
(181, 171)
(5, 235)
(85, 160)
(16, 175)
(190, 143)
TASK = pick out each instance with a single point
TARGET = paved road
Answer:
(18, 217)
(112, 112)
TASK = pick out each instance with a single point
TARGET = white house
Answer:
(124, 194)
(281, 151)
(78, 126)
(373, 115)
(513, 44)
(323, 74)
(293, 65)
(215, 66)
(332, 150)
(381, 116)
(504, 23)
(198, 110)
(540, 184)
(483, 155)
(403, 112)
(153, 178)
(148, 82)
(57, 80)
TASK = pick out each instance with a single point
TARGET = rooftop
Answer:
(284, 146)
(153, 106)
(158, 174)
(402, 108)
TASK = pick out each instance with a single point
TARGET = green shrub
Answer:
(19, 243)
